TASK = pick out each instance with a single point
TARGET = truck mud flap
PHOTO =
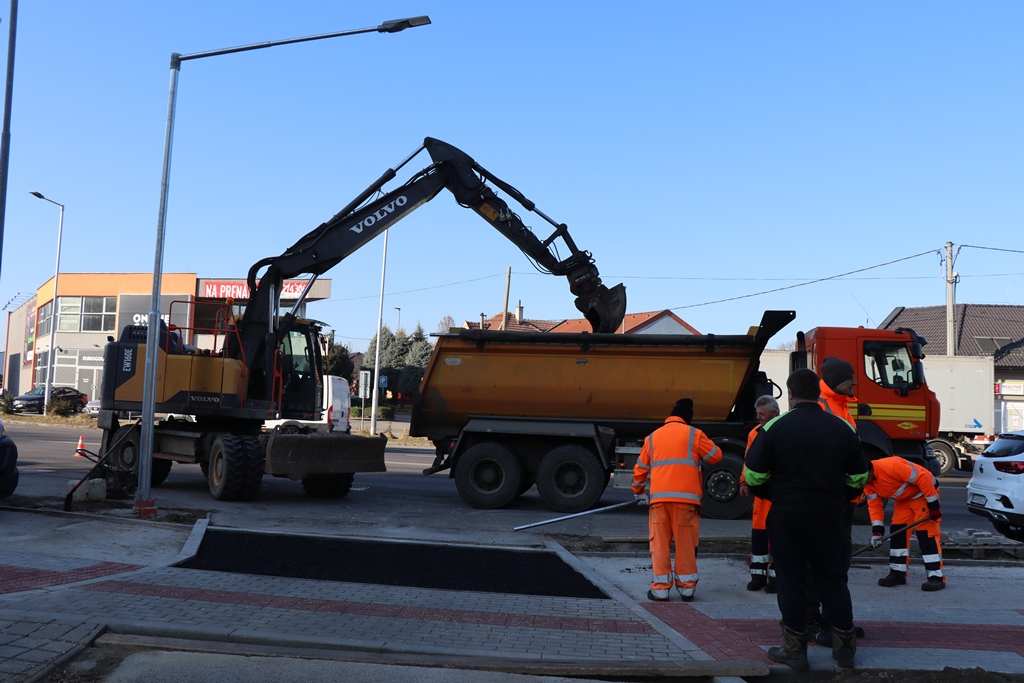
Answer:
(298, 455)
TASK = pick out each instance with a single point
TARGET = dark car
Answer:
(32, 402)
(8, 463)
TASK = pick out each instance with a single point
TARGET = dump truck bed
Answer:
(592, 377)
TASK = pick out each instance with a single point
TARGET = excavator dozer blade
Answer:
(606, 311)
(298, 455)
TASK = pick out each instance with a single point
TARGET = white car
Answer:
(996, 489)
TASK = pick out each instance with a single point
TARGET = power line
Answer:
(422, 289)
(804, 284)
(972, 246)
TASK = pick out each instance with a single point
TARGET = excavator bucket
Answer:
(299, 455)
(606, 310)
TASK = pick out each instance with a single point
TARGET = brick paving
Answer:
(15, 579)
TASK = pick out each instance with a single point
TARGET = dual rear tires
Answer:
(569, 478)
(235, 468)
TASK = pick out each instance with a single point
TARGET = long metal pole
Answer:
(144, 505)
(5, 137)
(51, 357)
(376, 355)
(950, 303)
(508, 285)
(888, 536)
(578, 514)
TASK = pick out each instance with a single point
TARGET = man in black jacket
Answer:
(809, 464)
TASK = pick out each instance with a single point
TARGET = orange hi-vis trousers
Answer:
(668, 521)
(760, 553)
(905, 513)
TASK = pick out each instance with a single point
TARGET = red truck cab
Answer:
(895, 411)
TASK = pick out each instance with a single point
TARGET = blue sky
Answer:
(700, 150)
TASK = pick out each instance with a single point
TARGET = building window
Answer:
(85, 314)
(45, 317)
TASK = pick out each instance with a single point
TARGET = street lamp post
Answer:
(375, 399)
(399, 309)
(50, 355)
(144, 505)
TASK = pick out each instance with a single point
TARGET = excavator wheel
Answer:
(228, 467)
(327, 485)
(254, 463)
(161, 467)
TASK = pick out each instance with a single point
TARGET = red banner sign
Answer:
(239, 289)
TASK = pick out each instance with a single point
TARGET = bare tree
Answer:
(445, 324)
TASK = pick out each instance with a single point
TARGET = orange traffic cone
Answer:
(80, 451)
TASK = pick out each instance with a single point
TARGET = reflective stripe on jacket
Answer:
(898, 479)
(835, 404)
(671, 458)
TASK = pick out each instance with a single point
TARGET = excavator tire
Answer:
(488, 475)
(126, 453)
(253, 476)
(570, 478)
(228, 467)
(327, 485)
(161, 468)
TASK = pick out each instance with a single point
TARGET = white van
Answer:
(336, 410)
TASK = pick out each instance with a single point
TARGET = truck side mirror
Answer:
(916, 351)
(917, 371)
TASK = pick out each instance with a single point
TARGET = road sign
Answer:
(364, 384)
(383, 381)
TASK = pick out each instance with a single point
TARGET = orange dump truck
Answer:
(507, 410)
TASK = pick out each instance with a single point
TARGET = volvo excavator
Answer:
(263, 365)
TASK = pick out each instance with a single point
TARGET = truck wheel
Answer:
(945, 455)
(722, 499)
(253, 476)
(227, 467)
(327, 485)
(488, 476)
(126, 452)
(570, 479)
(161, 468)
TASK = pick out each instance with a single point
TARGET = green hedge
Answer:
(383, 412)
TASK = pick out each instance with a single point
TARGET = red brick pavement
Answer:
(368, 609)
(14, 579)
(726, 639)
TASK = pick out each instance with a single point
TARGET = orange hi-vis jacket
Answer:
(750, 439)
(900, 480)
(671, 457)
(835, 404)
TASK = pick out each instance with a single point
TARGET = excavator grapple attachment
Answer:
(606, 310)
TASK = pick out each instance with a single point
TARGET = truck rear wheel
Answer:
(327, 485)
(161, 468)
(945, 455)
(488, 476)
(722, 499)
(570, 479)
(227, 467)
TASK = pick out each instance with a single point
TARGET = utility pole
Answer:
(508, 284)
(951, 278)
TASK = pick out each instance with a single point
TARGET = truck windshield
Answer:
(888, 365)
(296, 354)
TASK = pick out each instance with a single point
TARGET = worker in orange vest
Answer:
(838, 382)
(762, 574)
(671, 458)
(916, 496)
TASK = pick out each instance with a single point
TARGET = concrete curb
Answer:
(91, 516)
(69, 655)
(336, 650)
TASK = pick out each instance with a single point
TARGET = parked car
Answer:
(32, 402)
(996, 489)
(8, 463)
(92, 408)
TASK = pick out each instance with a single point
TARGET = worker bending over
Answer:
(762, 573)
(671, 458)
(915, 495)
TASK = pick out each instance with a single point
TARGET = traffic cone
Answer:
(80, 451)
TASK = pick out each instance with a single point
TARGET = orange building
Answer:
(95, 306)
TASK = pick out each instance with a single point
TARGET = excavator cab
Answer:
(300, 369)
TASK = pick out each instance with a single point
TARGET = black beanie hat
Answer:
(684, 409)
(835, 371)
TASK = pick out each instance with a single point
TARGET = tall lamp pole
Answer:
(51, 354)
(399, 309)
(145, 506)
(375, 399)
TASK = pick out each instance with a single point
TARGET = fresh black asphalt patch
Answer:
(417, 565)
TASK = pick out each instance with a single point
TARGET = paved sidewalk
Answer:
(56, 597)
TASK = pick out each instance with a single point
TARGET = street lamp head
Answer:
(396, 25)
(34, 193)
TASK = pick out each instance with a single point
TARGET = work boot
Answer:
(793, 652)
(934, 583)
(655, 598)
(823, 637)
(686, 593)
(770, 587)
(893, 579)
(757, 582)
(844, 646)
